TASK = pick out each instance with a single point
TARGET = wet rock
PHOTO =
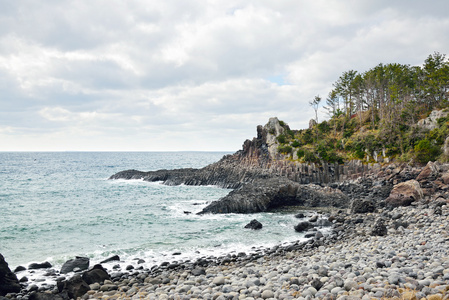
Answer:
(254, 224)
(303, 226)
(80, 263)
(35, 266)
(112, 258)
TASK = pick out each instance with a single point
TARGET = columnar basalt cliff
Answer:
(258, 158)
(264, 180)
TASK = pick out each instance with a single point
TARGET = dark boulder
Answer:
(379, 228)
(19, 269)
(35, 266)
(48, 296)
(263, 195)
(109, 259)
(76, 287)
(303, 226)
(96, 275)
(254, 224)
(80, 263)
(362, 206)
(8, 280)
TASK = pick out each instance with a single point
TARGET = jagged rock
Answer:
(81, 263)
(44, 265)
(361, 206)
(8, 280)
(404, 193)
(431, 122)
(303, 226)
(254, 224)
(96, 275)
(430, 172)
(266, 195)
(379, 228)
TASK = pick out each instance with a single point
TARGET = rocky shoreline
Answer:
(401, 252)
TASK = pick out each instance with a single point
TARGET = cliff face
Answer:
(263, 180)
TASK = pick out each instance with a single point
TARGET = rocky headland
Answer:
(388, 236)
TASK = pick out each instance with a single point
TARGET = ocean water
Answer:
(55, 206)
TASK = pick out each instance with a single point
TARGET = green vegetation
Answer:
(375, 114)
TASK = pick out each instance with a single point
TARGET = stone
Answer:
(430, 172)
(109, 259)
(219, 280)
(254, 224)
(362, 206)
(81, 263)
(35, 266)
(96, 275)
(46, 296)
(8, 280)
(404, 193)
(19, 269)
(303, 226)
(379, 228)
(76, 287)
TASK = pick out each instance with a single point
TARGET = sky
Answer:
(187, 75)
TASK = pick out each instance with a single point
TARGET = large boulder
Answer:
(431, 122)
(76, 287)
(77, 264)
(362, 206)
(303, 226)
(96, 275)
(8, 280)
(404, 193)
(430, 172)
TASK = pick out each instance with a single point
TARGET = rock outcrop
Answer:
(264, 180)
(8, 280)
(268, 194)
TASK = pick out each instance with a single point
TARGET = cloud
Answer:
(189, 75)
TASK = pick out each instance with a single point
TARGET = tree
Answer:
(315, 103)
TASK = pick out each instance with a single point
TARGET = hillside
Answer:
(390, 112)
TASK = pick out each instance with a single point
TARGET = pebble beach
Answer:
(410, 260)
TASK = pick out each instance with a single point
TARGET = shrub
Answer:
(296, 144)
(285, 149)
(425, 151)
(281, 139)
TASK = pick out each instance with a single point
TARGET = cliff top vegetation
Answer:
(375, 116)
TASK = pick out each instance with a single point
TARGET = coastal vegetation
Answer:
(374, 116)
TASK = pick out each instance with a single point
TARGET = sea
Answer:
(55, 206)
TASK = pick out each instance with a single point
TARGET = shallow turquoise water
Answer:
(57, 205)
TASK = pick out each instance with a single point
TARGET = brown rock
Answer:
(430, 172)
(404, 193)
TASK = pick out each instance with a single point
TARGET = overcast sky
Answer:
(136, 75)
